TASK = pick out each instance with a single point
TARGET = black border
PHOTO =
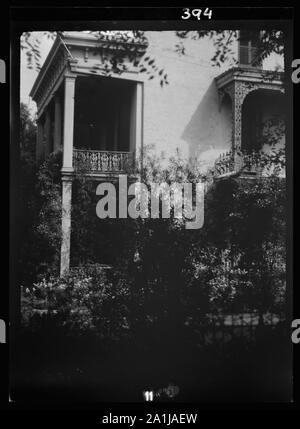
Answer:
(34, 17)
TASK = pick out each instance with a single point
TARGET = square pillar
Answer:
(67, 171)
(66, 225)
(68, 124)
(136, 128)
(237, 126)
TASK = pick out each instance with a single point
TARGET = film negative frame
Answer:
(56, 19)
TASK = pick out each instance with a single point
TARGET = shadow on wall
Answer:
(209, 131)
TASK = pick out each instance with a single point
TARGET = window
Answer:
(248, 49)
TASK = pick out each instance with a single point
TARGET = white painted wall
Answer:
(185, 114)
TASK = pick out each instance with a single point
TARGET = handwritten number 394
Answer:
(196, 13)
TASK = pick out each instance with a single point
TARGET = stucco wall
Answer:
(186, 113)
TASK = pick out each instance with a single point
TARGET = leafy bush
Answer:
(83, 301)
(40, 223)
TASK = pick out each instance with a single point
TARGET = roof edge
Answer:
(56, 45)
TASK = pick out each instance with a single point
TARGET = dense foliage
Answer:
(162, 274)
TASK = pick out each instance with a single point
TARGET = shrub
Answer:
(83, 301)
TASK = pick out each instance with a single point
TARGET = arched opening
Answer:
(262, 120)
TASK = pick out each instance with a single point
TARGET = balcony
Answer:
(101, 162)
(228, 164)
(224, 165)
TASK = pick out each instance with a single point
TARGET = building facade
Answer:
(107, 120)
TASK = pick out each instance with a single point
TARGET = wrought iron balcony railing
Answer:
(252, 162)
(227, 163)
(99, 161)
(224, 164)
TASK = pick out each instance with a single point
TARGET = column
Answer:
(136, 132)
(39, 150)
(68, 124)
(67, 171)
(237, 127)
(66, 225)
(57, 123)
(47, 133)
